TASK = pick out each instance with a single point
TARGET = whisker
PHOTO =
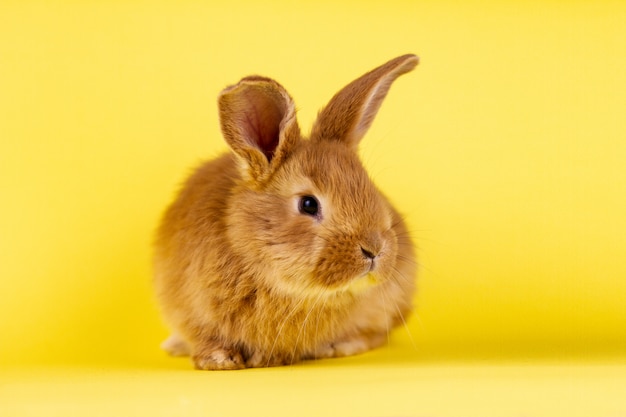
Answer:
(304, 323)
(383, 295)
(419, 321)
(317, 323)
(409, 260)
(406, 326)
(427, 269)
(282, 325)
(399, 274)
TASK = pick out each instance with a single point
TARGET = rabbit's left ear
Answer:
(258, 120)
(349, 114)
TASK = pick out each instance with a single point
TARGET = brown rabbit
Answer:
(284, 249)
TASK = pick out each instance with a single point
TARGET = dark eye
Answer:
(309, 205)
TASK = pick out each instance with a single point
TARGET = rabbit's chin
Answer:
(363, 283)
(313, 288)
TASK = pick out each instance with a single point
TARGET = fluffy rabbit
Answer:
(284, 249)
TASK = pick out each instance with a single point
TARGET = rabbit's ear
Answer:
(349, 114)
(258, 120)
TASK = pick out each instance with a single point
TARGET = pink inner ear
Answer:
(261, 119)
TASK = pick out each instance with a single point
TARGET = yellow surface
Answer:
(506, 149)
(350, 390)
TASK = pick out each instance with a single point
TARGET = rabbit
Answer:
(283, 249)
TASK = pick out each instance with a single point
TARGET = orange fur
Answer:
(247, 280)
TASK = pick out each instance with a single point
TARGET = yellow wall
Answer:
(506, 149)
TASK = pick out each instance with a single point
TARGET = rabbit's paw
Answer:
(218, 358)
(260, 360)
(175, 345)
(349, 346)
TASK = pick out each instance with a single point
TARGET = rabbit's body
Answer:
(284, 249)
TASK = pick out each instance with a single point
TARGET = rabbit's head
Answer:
(305, 211)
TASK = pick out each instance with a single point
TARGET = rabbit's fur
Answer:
(245, 275)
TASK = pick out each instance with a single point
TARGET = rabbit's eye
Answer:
(309, 205)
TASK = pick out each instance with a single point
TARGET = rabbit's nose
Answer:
(368, 254)
(371, 246)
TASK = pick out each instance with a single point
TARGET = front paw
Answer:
(348, 346)
(218, 359)
(260, 360)
(175, 345)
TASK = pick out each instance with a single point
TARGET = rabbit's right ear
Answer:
(258, 120)
(351, 111)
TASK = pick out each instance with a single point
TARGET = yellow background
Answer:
(505, 148)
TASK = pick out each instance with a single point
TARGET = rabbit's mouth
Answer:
(363, 283)
(364, 275)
